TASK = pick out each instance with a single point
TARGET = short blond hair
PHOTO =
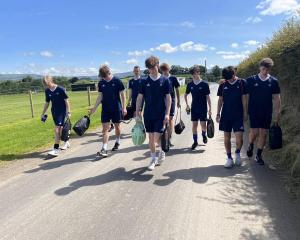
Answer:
(47, 79)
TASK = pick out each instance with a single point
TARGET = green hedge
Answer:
(284, 49)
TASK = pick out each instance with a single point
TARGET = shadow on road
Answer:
(60, 163)
(118, 174)
(199, 175)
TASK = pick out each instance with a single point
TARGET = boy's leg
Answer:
(171, 126)
(152, 146)
(252, 138)
(239, 145)
(204, 129)
(118, 136)
(227, 144)
(260, 145)
(195, 134)
(105, 135)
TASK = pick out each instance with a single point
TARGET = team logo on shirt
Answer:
(113, 84)
(269, 85)
(225, 88)
(200, 88)
(148, 85)
(49, 95)
(256, 85)
(238, 87)
(242, 128)
(192, 88)
(103, 85)
(57, 93)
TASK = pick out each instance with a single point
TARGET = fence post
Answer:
(89, 95)
(31, 104)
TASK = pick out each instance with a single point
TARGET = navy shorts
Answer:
(236, 125)
(59, 119)
(115, 117)
(154, 125)
(257, 121)
(172, 111)
(196, 116)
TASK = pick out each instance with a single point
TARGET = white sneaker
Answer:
(161, 157)
(65, 146)
(238, 160)
(152, 164)
(229, 163)
(54, 152)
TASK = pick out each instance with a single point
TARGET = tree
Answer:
(216, 71)
(27, 79)
(146, 72)
(73, 80)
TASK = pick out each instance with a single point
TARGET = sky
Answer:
(64, 37)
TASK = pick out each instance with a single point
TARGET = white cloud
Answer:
(251, 43)
(276, 7)
(234, 45)
(105, 63)
(46, 53)
(137, 53)
(132, 61)
(166, 47)
(26, 54)
(212, 48)
(191, 46)
(225, 53)
(187, 24)
(253, 20)
(109, 27)
(234, 56)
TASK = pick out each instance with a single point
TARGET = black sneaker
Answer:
(259, 160)
(204, 139)
(250, 152)
(116, 147)
(112, 127)
(103, 153)
(195, 144)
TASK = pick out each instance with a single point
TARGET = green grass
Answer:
(20, 133)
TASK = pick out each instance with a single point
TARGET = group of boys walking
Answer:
(157, 95)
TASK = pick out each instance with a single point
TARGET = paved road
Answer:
(191, 196)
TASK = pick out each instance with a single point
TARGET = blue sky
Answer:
(64, 37)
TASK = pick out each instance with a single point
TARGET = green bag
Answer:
(138, 133)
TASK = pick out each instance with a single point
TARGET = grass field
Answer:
(20, 133)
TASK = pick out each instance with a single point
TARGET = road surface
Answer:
(191, 196)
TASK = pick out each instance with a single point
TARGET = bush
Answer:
(284, 49)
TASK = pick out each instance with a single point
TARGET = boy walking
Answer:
(155, 91)
(133, 86)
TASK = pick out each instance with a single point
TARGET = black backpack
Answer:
(210, 128)
(179, 127)
(165, 139)
(66, 130)
(275, 137)
(82, 125)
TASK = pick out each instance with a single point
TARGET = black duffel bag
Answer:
(210, 128)
(275, 137)
(179, 127)
(82, 125)
(66, 130)
(165, 139)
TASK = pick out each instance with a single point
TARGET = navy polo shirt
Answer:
(57, 98)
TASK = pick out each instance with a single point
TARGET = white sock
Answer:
(153, 155)
(118, 139)
(104, 146)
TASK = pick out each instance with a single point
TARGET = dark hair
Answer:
(104, 71)
(136, 67)
(228, 73)
(164, 67)
(151, 62)
(267, 63)
(195, 68)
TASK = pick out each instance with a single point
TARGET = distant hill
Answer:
(18, 77)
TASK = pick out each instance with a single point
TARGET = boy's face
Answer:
(263, 70)
(196, 74)
(165, 72)
(136, 71)
(153, 70)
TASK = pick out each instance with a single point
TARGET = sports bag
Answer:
(165, 139)
(66, 130)
(82, 125)
(138, 133)
(179, 127)
(210, 127)
(275, 137)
